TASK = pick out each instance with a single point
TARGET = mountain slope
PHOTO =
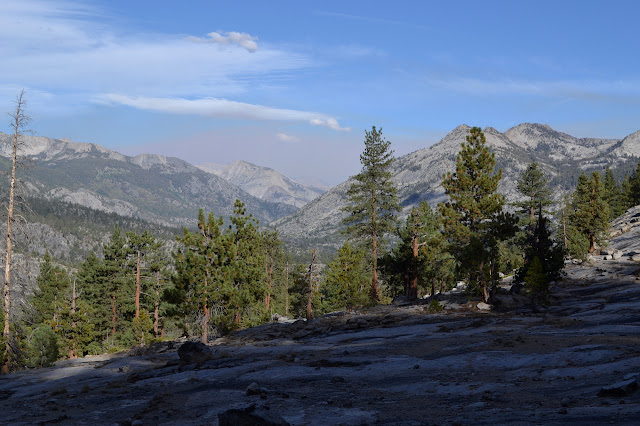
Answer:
(418, 175)
(152, 187)
(264, 183)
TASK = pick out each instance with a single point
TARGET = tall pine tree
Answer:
(373, 200)
(590, 212)
(473, 218)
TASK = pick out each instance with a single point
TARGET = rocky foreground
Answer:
(574, 362)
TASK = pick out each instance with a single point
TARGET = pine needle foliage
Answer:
(473, 218)
(373, 200)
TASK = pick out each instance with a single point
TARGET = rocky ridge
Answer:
(159, 189)
(418, 175)
(264, 183)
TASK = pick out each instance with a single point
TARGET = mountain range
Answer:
(264, 183)
(155, 188)
(418, 175)
(168, 191)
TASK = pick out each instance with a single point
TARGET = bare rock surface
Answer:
(573, 362)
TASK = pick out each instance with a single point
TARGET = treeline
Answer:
(223, 276)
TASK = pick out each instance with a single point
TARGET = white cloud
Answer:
(69, 52)
(221, 108)
(287, 138)
(241, 39)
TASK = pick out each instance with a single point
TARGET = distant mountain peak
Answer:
(264, 183)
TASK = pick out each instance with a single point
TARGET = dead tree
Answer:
(18, 121)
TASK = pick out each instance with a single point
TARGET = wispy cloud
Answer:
(287, 138)
(241, 39)
(66, 50)
(221, 108)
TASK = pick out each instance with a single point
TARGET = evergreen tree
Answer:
(612, 195)
(345, 281)
(536, 281)
(473, 219)
(590, 212)
(373, 200)
(41, 347)
(49, 298)
(633, 188)
(248, 281)
(203, 271)
(542, 248)
(420, 256)
(533, 185)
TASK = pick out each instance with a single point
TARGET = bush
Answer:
(41, 347)
(435, 307)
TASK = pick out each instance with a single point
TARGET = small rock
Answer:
(484, 306)
(516, 288)
(636, 257)
(608, 257)
(416, 367)
(136, 423)
(253, 389)
(624, 388)
(563, 411)
(617, 254)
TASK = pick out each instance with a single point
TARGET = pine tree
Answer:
(536, 281)
(533, 185)
(420, 256)
(541, 247)
(473, 219)
(248, 279)
(203, 270)
(373, 200)
(49, 298)
(589, 211)
(345, 281)
(612, 195)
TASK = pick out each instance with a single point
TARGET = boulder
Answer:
(399, 300)
(484, 306)
(624, 388)
(250, 416)
(194, 353)
(516, 288)
(617, 254)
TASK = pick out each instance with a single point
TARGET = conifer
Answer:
(590, 212)
(473, 218)
(373, 200)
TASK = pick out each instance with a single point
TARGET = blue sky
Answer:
(293, 84)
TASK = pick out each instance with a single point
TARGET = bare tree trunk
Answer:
(137, 314)
(483, 281)
(269, 274)
(286, 294)
(19, 120)
(205, 323)
(113, 313)
(412, 293)
(374, 280)
(310, 295)
(73, 351)
(156, 311)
